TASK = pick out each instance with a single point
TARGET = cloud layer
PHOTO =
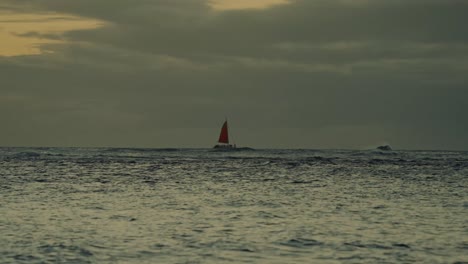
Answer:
(312, 74)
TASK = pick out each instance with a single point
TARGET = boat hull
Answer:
(228, 146)
(223, 148)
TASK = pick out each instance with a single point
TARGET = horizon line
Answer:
(273, 148)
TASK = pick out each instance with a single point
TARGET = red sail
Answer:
(223, 137)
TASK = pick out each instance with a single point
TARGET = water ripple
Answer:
(72, 205)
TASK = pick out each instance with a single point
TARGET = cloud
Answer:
(245, 4)
(25, 33)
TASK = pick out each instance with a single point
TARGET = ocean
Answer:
(111, 205)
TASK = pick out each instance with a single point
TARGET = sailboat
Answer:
(223, 141)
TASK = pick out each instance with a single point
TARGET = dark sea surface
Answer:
(86, 205)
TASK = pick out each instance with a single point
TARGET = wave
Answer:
(26, 154)
(141, 149)
(301, 243)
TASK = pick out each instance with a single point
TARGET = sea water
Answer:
(98, 205)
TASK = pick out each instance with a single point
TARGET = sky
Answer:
(346, 74)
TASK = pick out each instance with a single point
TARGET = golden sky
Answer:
(245, 4)
(22, 34)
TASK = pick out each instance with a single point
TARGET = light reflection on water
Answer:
(198, 206)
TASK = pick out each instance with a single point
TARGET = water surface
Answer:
(74, 205)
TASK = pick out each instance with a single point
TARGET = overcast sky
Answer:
(286, 74)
